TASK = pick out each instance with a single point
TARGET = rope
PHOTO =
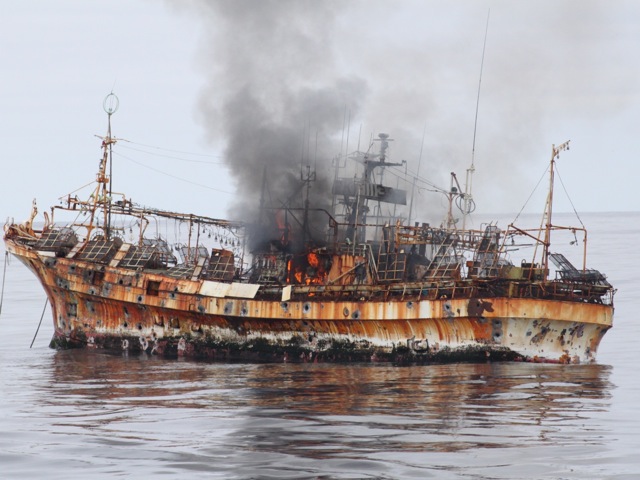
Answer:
(172, 176)
(178, 158)
(531, 195)
(39, 323)
(169, 150)
(6, 258)
(568, 197)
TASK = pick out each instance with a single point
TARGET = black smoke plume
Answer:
(278, 72)
(278, 105)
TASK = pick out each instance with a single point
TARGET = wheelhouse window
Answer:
(153, 288)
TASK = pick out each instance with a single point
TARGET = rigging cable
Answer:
(174, 157)
(169, 150)
(468, 198)
(39, 323)
(418, 179)
(568, 197)
(77, 190)
(531, 195)
(173, 176)
(4, 271)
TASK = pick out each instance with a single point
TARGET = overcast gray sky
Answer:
(554, 70)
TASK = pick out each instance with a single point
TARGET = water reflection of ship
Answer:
(444, 391)
(443, 407)
(360, 411)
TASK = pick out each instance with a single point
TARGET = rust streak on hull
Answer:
(303, 283)
(122, 315)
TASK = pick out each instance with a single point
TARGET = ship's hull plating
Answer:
(123, 310)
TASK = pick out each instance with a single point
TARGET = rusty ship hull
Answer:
(303, 283)
(98, 306)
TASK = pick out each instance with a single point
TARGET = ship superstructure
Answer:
(362, 287)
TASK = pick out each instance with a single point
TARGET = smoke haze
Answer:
(275, 98)
(282, 73)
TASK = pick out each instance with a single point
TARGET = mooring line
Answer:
(40, 323)
(4, 272)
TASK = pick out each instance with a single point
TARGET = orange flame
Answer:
(283, 227)
(308, 270)
(313, 259)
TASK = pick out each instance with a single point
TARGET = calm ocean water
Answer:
(77, 414)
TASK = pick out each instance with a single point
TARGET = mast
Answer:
(110, 106)
(468, 205)
(361, 189)
(454, 191)
(415, 179)
(101, 197)
(548, 213)
(306, 181)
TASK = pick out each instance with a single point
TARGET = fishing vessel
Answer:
(302, 282)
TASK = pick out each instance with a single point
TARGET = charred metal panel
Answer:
(221, 266)
(350, 188)
(343, 270)
(382, 193)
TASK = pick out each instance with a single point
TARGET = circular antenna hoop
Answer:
(111, 103)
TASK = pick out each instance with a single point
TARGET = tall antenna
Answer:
(307, 179)
(110, 106)
(468, 204)
(555, 154)
(413, 188)
(304, 146)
